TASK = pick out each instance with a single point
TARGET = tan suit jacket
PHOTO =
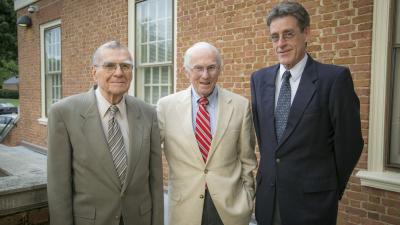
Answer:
(83, 186)
(228, 171)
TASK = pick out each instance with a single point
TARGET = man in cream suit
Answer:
(209, 145)
(104, 160)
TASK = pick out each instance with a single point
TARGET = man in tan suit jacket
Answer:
(217, 187)
(86, 182)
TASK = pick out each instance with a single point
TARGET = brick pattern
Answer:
(84, 26)
(341, 34)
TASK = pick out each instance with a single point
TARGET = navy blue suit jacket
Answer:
(320, 147)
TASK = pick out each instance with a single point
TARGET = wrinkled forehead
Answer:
(203, 56)
(114, 55)
(283, 24)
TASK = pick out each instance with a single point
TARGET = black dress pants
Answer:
(210, 214)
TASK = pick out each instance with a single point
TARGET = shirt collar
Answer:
(296, 71)
(104, 105)
(211, 98)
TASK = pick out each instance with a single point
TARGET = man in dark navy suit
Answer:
(307, 121)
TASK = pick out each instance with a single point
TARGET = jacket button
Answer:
(271, 184)
(201, 196)
(278, 160)
(117, 217)
(205, 171)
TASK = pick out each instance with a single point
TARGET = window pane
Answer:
(161, 51)
(152, 8)
(164, 75)
(161, 29)
(153, 52)
(169, 51)
(143, 32)
(169, 29)
(394, 157)
(156, 75)
(164, 91)
(147, 75)
(161, 10)
(152, 31)
(147, 94)
(155, 96)
(143, 53)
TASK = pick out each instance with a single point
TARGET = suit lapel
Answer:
(224, 114)
(135, 138)
(184, 114)
(93, 131)
(303, 95)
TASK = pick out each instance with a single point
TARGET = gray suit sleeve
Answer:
(59, 185)
(156, 175)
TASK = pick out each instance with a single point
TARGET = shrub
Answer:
(9, 94)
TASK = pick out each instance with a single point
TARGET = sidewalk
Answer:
(252, 222)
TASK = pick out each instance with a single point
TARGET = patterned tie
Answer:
(283, 106)
(116, 145)
(203, 128)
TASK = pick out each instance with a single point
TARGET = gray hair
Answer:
(290, 9)
(108, 45)
(200, 45)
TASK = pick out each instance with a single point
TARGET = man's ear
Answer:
(307, 33)
(186, 72)
(93, 72)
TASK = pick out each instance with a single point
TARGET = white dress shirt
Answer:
(103, 105)
(296, 73)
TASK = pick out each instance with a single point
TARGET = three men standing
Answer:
(209, 145)
(313, 109)
(104, 163)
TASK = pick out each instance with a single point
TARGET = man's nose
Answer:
(281, 41)
(118, 70)
(205, 73)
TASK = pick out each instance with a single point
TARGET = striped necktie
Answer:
(283, 106)
(116, 145)
(203, 128)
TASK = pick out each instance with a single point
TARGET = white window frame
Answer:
(43, 119)
(377, 176)
(132, 43)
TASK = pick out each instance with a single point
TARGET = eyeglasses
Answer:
(111, 67)
(211, 69)
(286, 35)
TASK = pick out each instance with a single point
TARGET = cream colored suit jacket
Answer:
(228, 171)
(83, 185)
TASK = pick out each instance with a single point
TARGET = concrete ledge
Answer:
(25, 185)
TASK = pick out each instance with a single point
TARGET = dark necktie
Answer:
(116, 145)
(283, 106)
(203, 128)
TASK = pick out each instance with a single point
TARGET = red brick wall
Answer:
(341, 34)
(84, 26)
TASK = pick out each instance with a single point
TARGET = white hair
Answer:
(200, 45)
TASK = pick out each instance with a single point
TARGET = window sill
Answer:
(43, 121)
(386, 180)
